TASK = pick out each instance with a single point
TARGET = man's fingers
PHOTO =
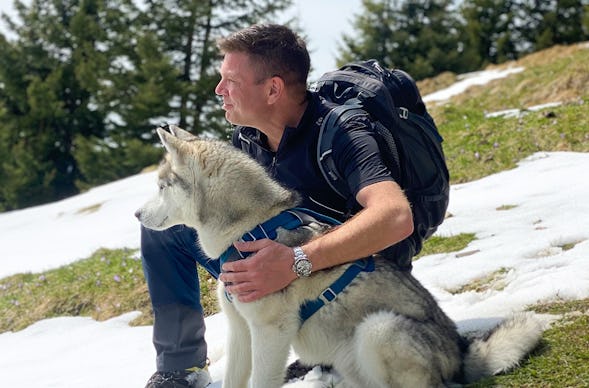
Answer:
(251, 246)
(233, 276)
(238, 288)
(244, 293)
(238, 266)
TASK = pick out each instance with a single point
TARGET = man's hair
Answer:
(275, 50)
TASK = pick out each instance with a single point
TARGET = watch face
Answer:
(303, 267)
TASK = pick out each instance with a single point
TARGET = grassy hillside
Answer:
(111, 282)
(476, 146)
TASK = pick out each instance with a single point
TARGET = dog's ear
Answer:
(170, 142)
(181, 133)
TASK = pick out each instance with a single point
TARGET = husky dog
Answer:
(383, 330)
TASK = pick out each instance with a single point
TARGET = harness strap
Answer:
(288, 219)
(310, 307)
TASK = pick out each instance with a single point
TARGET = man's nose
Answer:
(220, 88)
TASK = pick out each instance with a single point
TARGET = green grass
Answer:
(107, 284)
(491, 281)
(476, 146)
(562, 359)
(506, 207)
(438, 244)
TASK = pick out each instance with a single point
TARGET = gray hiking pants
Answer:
(169, 264)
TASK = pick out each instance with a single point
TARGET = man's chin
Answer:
(228, 118)
(233, 120)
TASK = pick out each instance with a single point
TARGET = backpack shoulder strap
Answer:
(327, 131)
(238, 139)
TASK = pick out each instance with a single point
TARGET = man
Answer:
(263, 86)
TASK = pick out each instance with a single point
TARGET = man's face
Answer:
(244, 93)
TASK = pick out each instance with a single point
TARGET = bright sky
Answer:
(324, 22)
(522, 219)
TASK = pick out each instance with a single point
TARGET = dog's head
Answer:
(174, 202)
(213, 187)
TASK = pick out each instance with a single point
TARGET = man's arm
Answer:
(385, 220)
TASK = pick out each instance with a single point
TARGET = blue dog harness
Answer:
(310, 307)
(289, 220)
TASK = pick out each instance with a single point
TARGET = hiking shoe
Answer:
(189, 378)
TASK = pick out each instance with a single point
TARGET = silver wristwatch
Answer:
(302, 265)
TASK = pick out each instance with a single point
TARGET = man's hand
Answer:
(268, 269)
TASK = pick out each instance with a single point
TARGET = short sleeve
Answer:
(357, 155)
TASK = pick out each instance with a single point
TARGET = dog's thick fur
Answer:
(384, 330)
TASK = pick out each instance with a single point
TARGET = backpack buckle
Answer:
(403, 113)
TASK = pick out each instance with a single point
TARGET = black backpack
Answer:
(407, 135)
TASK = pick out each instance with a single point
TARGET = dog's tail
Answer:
(503, 347)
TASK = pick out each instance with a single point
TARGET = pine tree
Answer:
(85, 81)
(491, 30)
(49, 75)
(61, 82)
(419, 36)
(553, 22)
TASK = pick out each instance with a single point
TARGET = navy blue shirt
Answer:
(295, 164)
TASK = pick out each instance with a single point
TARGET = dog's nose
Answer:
(138, 214)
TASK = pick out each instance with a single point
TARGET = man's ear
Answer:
(276, 89)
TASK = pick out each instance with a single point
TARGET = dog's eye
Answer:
(162, 186)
